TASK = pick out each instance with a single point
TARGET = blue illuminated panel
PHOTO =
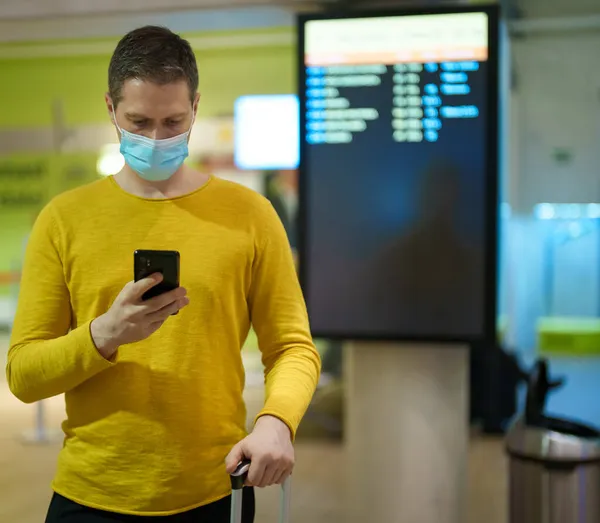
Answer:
(267, 132)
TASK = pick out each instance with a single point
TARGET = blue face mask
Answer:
(154, 160)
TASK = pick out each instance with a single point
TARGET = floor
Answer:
(318, 492)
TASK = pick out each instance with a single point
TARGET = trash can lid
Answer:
(553, 440)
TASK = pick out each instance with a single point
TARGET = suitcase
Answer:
(238, 479)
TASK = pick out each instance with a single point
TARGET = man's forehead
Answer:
(140, 84)
(146, 92)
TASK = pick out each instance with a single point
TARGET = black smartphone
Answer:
(148, 262)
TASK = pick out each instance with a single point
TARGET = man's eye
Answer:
(173, 122)
(139, 122)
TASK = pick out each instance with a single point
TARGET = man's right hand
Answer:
(132, 319)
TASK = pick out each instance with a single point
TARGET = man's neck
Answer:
(184, 181)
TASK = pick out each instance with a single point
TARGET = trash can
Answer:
(554, 469)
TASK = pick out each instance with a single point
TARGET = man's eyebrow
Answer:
(137, 116)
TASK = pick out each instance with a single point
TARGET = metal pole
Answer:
(40, 434)
(286, 501)
(40, 427)
(236, 505)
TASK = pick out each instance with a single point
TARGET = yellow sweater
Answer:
(148, 433)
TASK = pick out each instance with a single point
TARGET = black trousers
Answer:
(63, 510)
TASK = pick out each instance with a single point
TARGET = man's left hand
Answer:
(270, 450)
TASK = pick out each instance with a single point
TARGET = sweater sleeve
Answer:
(46, 357)
(279, 317)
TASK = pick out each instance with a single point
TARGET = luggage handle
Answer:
(238, 478)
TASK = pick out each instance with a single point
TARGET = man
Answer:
(155, 412)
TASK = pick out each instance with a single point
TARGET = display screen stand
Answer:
(407, 432)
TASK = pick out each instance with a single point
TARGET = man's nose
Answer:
(159, 133)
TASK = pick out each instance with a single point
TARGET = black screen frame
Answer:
(488, 333)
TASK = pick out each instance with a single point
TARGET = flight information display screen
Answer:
(398, 174)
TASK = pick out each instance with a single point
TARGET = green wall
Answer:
(29, 85)
(27, 182)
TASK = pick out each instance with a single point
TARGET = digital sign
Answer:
(398, 174)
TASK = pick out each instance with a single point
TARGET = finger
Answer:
(140, 287)
(233, 458)
(282, 476)
(256, 474)
(269, 477)
(163, 300)
(164, 313)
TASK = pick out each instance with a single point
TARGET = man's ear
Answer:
(196, 102)
(110, 107)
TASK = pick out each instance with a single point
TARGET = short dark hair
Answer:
(155, 54)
